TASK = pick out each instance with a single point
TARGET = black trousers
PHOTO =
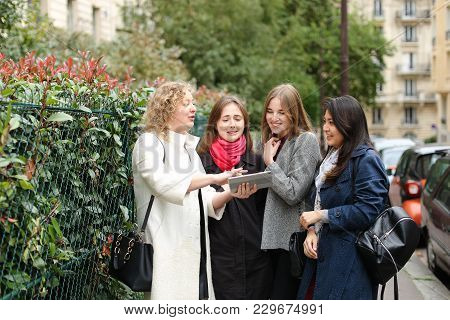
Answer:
(284, 286)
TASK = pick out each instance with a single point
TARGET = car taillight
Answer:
(412, 188)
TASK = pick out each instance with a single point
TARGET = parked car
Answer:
(435, 205)
(383, 143)
(390, 151)
(390, 157)
(410, 177)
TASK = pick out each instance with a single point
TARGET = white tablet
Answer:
(261, 179)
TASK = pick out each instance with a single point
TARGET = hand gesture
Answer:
(309, 217)
(270, 150)
(222, 178)
(310, 244)
(244, 191)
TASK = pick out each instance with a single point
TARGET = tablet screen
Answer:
(261, 179)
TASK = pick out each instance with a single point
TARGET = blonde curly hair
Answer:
(162, 105)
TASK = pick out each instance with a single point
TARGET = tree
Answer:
(141, 46)
(251, 46)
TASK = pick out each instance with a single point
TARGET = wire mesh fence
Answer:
(65, 186)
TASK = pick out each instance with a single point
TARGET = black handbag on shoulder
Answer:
(132, 259)
(388, 244)
(297, 254)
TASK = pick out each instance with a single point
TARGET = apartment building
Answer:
(440, 69)
(406, 102)
(99, 18)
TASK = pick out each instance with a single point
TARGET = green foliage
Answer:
(141, 47)
(250, 46)
(64, 175)
(27, 31)
(10, 13)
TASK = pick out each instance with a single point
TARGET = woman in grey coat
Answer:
(291, 153)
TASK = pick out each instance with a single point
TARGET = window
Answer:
(410, 88)
(96, 23)
(443, 195)
(410, 34)
(70, 15)
(377, 116)
(403, 163)
(377, 8)
(408, 61)
(410, 8)
(410, 115)
(380, 29)
(379, 88)
(436, 172)
(411, 60)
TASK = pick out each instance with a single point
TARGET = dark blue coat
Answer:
(340, 273)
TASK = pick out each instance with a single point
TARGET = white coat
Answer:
(174, 223)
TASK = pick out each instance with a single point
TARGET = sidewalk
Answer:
(417, 282)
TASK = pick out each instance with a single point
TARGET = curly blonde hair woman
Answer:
(162, 106)
(166, 165)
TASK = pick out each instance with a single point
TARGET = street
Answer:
(417, 282)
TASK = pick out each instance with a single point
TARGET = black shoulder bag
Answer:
(388, 244)
(131, 258)
(297, 254)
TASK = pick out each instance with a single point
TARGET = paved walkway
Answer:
(417, 282)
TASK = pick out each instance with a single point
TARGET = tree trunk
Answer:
(344, 49)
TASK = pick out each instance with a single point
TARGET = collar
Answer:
(360, 150)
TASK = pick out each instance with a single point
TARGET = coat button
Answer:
(338, 189)
(338, 213)
(321, 259)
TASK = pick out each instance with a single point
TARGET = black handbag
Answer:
(388, 244)
(132, 259)
(297, 254)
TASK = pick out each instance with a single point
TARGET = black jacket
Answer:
(240, 269)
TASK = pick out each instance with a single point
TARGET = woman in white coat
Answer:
(166, 165)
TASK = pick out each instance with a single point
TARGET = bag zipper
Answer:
(389, 232)
(387, 250)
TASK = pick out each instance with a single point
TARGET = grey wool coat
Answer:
(292, 177)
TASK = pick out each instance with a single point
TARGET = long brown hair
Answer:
(292, 103)
(349, 118)
(211, 130)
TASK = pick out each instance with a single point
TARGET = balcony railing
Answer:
(424, 69)
(412, 39)
(411, 16)
(414, 97)
(378, 14)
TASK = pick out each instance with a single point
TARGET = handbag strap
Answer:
(152, 198)
(383, 287)
(388, 205)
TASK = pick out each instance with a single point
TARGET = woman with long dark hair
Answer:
(240, 269)
(342, 208)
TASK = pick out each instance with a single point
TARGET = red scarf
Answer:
(227, 154)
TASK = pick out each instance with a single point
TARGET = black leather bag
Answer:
(297, 254)
(132, 259)
(388, 244)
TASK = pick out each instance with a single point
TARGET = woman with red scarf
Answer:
(240, 269)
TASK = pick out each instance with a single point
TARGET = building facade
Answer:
(100, 18)
(440, 69)
(406, 101)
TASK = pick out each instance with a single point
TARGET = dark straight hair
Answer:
(349, 118)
